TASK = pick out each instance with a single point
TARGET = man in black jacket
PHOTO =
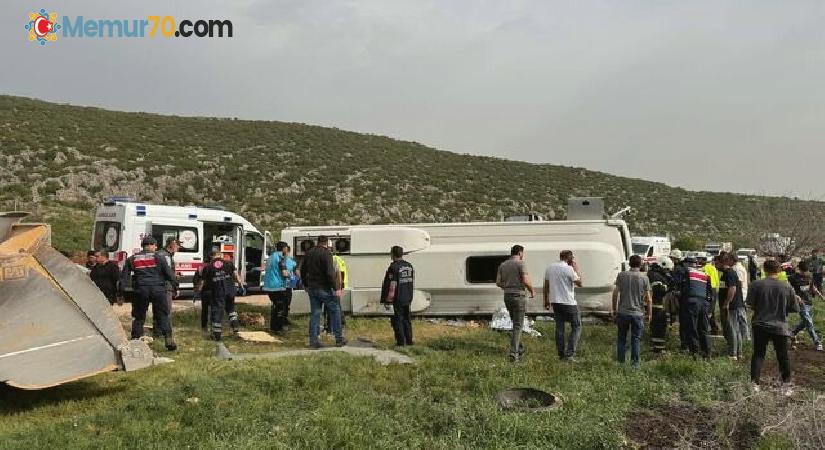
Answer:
(151, 272)
(397, 290)
(771, 300)
(106, 276)
(323, 286)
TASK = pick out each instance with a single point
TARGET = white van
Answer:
(650, 248)
(456, 263)
(121, 224)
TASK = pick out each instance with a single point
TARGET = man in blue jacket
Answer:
(279, 279)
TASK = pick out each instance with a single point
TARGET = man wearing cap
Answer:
(168, 253)
(150, 272)
(694, 301)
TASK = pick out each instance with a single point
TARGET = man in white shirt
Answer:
(559, 297)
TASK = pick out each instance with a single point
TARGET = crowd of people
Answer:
(705, 297)
(323, 275)
(683, 289)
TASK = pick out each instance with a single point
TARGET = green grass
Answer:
(334, 400)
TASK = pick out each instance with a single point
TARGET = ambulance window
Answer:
(483, 269)
(187, 236)
(107, 236)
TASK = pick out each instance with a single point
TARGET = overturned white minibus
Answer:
(456, 263)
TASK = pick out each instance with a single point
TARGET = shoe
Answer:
(216, 337)
(341, 343)
(515, 359)
(787, 389)
(819, 347)
(755, 387)
(171, 345)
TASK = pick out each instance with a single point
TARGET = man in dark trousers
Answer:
(219, 279)
(323, 286)
(149, 273)
(106, 276)
(513, 279)
(661, 284)
(205, 297)
(168, 253)
(397, 290)
(771, 300)
(694, 303)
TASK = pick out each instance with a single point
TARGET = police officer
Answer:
(397, 290)
(660, 283)
(168, 253)
(219, 280)
(695, 299)
(149, 273)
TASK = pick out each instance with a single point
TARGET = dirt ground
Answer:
(677, 425)
(125, 310)
(807, 366)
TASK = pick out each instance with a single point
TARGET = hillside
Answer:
(59, 160)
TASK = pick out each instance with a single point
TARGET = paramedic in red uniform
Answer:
(149, 273)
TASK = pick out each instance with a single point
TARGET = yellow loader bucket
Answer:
(55, 324)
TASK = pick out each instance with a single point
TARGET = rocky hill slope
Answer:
(59, 160)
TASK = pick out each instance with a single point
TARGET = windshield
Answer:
(107, 236)
(640, 249)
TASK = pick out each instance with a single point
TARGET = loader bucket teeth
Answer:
(55, 325)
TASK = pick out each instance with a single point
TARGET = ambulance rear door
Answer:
(189, 257)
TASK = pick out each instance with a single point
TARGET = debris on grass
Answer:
(158, 360)
(502, 322)
(258, 336)
(193, 400)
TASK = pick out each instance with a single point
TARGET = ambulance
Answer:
(650, 248)
(121, 224)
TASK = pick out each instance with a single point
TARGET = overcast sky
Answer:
(706, 95)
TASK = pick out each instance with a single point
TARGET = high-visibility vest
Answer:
(782, 276)
(713, 273)
(342, 267)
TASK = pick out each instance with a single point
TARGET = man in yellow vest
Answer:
(343, 277)
(713, 274)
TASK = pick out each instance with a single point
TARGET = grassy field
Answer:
(334, 400)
